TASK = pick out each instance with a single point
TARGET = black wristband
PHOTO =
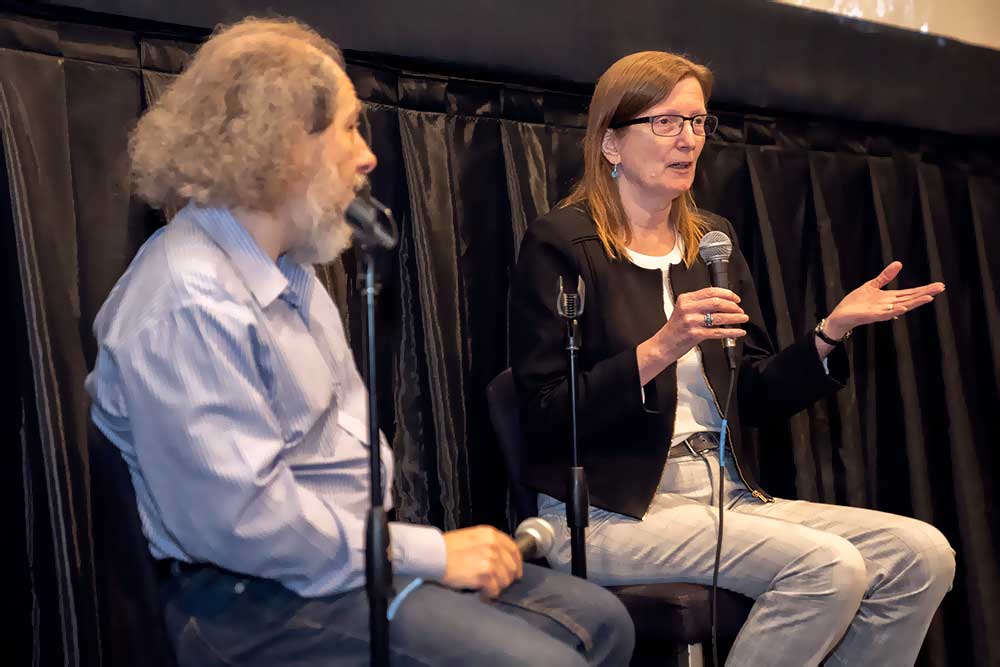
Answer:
(826, 339)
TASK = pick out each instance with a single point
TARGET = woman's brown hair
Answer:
(627, 88)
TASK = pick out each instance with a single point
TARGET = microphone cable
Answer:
(718, 544)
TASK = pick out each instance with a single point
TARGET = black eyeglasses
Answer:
(670, 125)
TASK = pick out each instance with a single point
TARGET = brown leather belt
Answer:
(699, 442)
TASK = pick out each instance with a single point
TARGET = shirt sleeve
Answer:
(210, 449)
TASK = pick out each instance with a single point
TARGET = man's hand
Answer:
(481, 558)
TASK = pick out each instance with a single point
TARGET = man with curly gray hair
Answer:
(224, 377)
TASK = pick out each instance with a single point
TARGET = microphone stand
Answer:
(362, 216)
(569, 307)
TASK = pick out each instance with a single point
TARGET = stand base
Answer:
(378, 584)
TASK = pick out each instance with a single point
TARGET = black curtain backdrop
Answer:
(819, 204)
(764, 53)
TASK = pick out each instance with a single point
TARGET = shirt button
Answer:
(239, 587)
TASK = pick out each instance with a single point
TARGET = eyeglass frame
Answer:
(690, 119)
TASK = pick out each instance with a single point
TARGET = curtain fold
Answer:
(819, 206)
(35, 130)
(841, 418)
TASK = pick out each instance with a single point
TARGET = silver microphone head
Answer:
(541, 532)
(715, 246)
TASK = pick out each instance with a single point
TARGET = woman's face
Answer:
(654, 168)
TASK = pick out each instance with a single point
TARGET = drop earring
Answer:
(614, 171)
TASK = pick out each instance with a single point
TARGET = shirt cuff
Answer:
(418, 551)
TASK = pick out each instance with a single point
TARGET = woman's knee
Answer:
(929, 559)
(848, 573)
(832, 570)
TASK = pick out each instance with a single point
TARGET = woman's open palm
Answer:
(872, 303)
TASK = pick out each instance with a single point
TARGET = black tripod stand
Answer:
(372, 238)
(570, 307)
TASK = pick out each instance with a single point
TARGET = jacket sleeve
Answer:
(607, 391)
(774, 386)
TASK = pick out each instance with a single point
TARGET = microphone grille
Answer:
(715, 246)
(571, 305)
(541, 530)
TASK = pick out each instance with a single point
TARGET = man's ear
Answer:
(609, 147)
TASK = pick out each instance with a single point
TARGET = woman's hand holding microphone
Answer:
(709, 313)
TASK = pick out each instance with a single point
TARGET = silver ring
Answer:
(708, 319)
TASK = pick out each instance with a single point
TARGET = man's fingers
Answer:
(511, 553)
(489, 585)
(511, 564)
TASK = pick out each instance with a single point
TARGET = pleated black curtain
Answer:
(820, 205)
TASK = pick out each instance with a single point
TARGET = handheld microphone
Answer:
(534, 538)
(362, 216)
(715, 249)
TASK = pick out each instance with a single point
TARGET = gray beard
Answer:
(324, 243)
(321, 225)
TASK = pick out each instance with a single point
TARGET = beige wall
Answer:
(973, 21)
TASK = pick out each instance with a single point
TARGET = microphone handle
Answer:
(527, 545)
(719, 272)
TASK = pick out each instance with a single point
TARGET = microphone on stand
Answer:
(715, 249)
(534, 538)
(363, 215)
(569, 306)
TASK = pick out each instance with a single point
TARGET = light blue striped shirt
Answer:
(228, 385)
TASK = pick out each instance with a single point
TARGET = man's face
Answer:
(340, 161)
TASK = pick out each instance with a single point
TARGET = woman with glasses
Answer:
(843, 585)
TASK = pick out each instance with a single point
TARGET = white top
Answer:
(696, 409)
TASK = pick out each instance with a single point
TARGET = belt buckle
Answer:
(710, 439)
(699, 442)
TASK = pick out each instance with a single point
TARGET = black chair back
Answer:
(132, 626)
(505, 415)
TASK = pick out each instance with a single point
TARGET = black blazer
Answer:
(623, 441)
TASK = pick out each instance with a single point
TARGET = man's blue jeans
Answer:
(545, 618)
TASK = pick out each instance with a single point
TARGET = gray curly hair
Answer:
(223, 132)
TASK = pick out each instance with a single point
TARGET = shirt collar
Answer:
(266, 280)
(675, 256)
(300, 285)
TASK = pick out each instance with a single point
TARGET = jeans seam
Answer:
(556, 615)
(196, 632)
